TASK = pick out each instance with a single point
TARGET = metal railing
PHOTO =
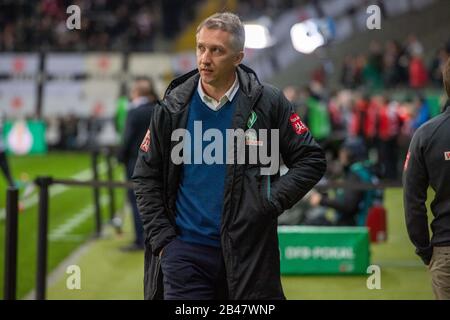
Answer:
(12, 216)
(44, 183)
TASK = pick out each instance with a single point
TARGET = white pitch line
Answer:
(63, 231)
(77, 238)
(58, 189)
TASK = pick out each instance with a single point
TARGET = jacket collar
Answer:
(181, 89)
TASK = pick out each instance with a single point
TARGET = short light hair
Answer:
(229, 22)
(446, 77)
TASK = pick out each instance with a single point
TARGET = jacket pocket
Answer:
(265, 195)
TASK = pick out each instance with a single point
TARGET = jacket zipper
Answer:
(232, 209)
(245, 165)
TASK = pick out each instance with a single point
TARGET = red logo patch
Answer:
(145, 145)
(406, 161)
(297, 124)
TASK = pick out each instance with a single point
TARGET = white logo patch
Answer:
(447, 155)
(251, 139)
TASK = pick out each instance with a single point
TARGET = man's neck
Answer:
(217, 92)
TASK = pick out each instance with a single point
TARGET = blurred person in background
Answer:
(421, 112)
(437, 66)
(388, 131)
(3, 158)
(69, 131)
(348, 72)
(339, 108)
(297, 99)
(317, 114)
(363, 120)
(418, 74)
(372, 71)
(428, 164)
(351, 205)
(393, 72)
(143, 98)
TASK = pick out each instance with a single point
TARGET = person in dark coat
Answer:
(143, 98)
(208, 207)
(428, 164)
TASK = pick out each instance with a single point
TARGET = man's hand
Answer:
(160, 252)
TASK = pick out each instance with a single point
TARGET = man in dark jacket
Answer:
(428, 164)
(140, 111)
(211, 226)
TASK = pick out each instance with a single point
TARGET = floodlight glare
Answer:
(256, 36)
(306, 37)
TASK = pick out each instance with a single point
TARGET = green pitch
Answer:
(107, 273)
(71, 219)
(403, 275)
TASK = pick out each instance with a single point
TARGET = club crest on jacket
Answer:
(145, 145)
(297, 124)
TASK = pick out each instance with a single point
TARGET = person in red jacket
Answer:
(387, 133)
(418, 76)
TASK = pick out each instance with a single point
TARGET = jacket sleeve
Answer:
(301, 154)
(415, 186)
(148, 186)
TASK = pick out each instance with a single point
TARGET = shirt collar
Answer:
(139, 101)
(447, 106)
(213, 103)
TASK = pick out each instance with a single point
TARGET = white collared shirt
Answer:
(213, 103)
(137, 102)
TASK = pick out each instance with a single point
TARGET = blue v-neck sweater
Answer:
(200, 195)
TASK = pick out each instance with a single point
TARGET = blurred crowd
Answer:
(133, 25)
(386, 94)
(394, 65)
(364, 107)
(254, 9)
(105, 24)
(384, 122)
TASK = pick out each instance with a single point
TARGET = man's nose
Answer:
(206, 57)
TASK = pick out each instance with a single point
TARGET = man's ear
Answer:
(239, 58)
